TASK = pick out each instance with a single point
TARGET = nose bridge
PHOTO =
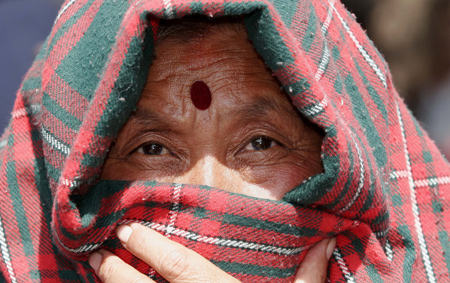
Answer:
(204, 172)
(208, 171)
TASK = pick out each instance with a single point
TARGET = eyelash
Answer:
(260, 141)
(155, 146)
(250, 145)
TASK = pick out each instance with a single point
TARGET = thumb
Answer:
(313, 268)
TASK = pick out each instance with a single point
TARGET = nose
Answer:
(210, 172)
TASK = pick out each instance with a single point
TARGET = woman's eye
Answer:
(152, 149)
(261, 143)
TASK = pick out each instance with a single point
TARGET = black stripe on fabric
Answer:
(254, 269)
(269, 225)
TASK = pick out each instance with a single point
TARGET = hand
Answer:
(178, 264)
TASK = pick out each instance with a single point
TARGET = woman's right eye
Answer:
(152, 149)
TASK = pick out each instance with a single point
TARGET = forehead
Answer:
(222, 58)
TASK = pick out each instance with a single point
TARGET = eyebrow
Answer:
(262, 107)
(151, 119)
(248, 112)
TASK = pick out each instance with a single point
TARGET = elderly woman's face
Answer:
(249, 141)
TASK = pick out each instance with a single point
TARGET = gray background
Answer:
(24, 25)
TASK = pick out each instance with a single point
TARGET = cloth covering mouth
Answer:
(384, 192)
(231, 230)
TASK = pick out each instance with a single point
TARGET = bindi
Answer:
(201, 95)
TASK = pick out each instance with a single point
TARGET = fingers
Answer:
(178, 264)
(111, 269)
(171, 260)
(313, 269)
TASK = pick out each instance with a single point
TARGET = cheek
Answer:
(143, 170)
(273, 182)
(114, 170)
(291, 177)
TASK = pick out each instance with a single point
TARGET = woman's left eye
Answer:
(152, 149)
(261, 143)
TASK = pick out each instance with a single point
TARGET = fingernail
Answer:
(124, 232)
(330, 247)
(94, 260)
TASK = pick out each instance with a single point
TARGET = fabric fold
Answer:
(384, 192)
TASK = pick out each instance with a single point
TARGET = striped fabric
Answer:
(385, 190)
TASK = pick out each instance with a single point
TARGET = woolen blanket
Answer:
(384, 192)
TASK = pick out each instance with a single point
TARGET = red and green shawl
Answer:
(384, 192)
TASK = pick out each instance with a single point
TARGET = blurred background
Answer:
(413, 35)
(24, 25)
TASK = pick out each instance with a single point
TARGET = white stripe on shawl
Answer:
(415, 207)
(5, 253)
(362, 50)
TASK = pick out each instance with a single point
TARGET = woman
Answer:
(381, 184)
(234, 130)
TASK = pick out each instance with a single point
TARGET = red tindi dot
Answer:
(201, 95)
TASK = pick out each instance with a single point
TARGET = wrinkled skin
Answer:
(250, 141)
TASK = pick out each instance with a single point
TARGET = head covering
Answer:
(384, 192)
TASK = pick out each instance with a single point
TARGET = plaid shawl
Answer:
(384, 191)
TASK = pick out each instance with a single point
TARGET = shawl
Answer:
(384, 192)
